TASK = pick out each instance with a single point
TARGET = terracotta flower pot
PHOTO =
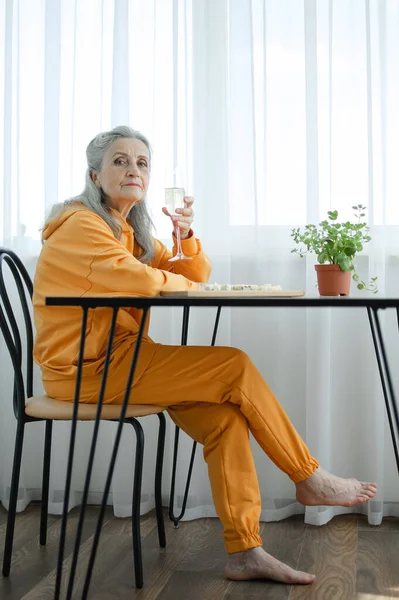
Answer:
(332, 280)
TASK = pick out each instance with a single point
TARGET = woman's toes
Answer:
(362, 499)
(369, 491)
(302, 578)
(369, 485)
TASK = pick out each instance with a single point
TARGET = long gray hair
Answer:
(94, 199)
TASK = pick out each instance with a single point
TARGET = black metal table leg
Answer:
(386, 379)
(71, 452)
(176, 519)
(89, 471)
(114, 455)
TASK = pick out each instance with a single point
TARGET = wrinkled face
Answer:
(125, 174)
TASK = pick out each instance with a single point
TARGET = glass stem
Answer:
(179, 250)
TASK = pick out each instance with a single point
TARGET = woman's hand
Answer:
(185, 217)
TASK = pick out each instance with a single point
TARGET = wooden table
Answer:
(229, 300)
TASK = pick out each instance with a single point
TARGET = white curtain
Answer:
(276, 111)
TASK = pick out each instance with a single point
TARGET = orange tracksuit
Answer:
(214, 394)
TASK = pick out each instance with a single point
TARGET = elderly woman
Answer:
(100, 243)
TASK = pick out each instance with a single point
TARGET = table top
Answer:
(245, 293)
(236, 301)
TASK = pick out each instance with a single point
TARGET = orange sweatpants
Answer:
(216, 395)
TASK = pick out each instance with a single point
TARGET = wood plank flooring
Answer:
(352, 560)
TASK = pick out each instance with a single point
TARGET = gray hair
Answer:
(94, 198)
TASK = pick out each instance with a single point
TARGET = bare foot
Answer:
(258, 564)
(324, 489)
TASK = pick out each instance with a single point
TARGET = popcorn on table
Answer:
(216, 287)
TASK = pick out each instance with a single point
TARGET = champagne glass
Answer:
(174, 199)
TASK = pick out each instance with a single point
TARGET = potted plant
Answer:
(336, 245)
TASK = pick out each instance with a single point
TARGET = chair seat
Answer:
(44, 407)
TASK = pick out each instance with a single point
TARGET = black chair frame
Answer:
(23, 388)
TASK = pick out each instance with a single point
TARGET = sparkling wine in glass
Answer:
(174, 199)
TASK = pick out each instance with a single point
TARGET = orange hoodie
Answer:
(81, 257)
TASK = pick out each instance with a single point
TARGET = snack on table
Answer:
(266, 287)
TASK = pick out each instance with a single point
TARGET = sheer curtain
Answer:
(276, 111)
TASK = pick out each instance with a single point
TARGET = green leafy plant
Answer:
(337, 243)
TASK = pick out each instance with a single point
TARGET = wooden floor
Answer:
(351, 560)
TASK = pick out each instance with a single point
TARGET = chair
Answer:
(29, 408)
